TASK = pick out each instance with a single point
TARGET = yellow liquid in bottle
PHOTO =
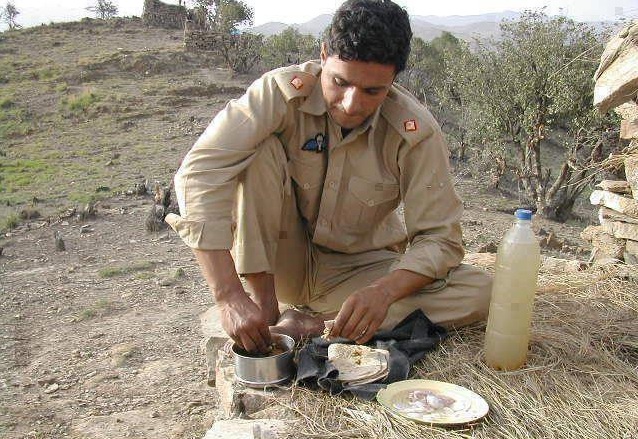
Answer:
(507, 333)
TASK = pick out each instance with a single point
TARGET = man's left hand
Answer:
(362, 314)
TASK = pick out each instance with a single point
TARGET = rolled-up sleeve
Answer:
(432, 208)
(206, 181)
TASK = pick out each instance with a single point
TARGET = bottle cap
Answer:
(523, 214)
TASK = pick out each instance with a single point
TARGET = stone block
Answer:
(631, 252)
(621, 230)
(235, 399)
(248, 429)
(605, 245)
(631, 172)
(624, 205)
(617, 75)
(629, 125)
(558, 265)
(606, 214)
(617, 187)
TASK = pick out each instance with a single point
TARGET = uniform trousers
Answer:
(270, 236)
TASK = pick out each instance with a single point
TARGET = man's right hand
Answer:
(242, 319)
(245, 322)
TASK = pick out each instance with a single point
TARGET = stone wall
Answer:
(160, 14)
(616, 84)
(199, 40)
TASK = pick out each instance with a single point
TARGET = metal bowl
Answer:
(262, 372)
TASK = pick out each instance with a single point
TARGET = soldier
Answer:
(295, 186)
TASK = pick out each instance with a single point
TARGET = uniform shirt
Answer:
(347, 189)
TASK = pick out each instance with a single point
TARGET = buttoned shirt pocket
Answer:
(308, 186)
(366, 203)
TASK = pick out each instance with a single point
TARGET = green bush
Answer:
(10, 222)
(80, 103)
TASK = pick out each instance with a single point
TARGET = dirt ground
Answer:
(102, 339)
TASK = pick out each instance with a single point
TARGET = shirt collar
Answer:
(315, 103)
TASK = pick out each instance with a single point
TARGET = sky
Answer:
(33, 12)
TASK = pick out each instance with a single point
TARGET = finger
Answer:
(356, 323)
(341, 319)
(369, 332)
(261, 343)
(361, 330)
(247, 342)
(264, 337)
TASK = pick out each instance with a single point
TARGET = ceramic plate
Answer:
(433, 402)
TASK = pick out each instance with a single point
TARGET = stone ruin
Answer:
(197, 36)
(616, 238)
(160, 14)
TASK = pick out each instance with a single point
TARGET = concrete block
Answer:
(235, 399)
(248, 429)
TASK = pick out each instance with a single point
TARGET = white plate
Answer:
(433, 402)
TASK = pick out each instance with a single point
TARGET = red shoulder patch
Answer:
(410, 125)
(297, 82)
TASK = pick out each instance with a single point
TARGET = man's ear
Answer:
(324, 53)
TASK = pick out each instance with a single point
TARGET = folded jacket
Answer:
(406, 343)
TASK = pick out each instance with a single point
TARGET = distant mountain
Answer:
(426, 27)
(465, 20)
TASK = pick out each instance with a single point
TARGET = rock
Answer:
(552, 242)
(88, 211)
(248, 429)
(235, 399)
(629, 125)
(605, 213)
(615, 186)
(605, 246)
(621, 230)
(166, 282)
(631, 172)
(139, 189)
(121, 353)
(629, 129)
(631, 251)
(620, 204)
(52, 388)
(558, 265)
(617, 75)
(86, 228)
(47, 380)
(490, 247)
(630, 258)
(59, 242)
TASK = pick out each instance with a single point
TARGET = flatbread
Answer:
(358, 364)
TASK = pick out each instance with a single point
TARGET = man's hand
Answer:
(245, 322)
(362, 313)
(365, 310)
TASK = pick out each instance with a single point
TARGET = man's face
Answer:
(353, 90)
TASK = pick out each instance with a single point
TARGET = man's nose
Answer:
(351, 101)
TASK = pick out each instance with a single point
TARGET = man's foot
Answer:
(299, 325)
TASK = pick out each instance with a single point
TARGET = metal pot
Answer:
(266, 371)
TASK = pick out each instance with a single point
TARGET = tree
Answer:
(289, 47)
(8, 14)
(531, 88)
(103, 9)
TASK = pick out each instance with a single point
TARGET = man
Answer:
(301, 178)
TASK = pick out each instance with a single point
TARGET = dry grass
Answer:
(580, 381)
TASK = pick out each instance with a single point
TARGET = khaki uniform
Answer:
(273, 179)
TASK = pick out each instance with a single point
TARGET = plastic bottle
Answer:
(517, 263)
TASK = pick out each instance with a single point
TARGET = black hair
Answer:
(372, 31)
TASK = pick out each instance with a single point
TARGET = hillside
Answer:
(102, 339)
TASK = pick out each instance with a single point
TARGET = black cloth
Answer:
(407, 343)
